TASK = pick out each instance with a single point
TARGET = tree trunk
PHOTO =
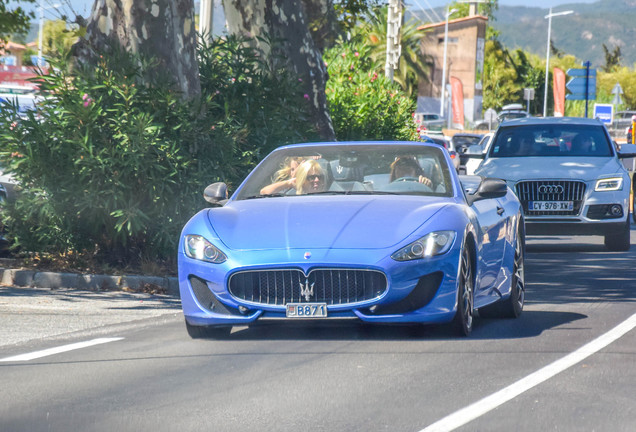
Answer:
(288, 20)
(163, 29)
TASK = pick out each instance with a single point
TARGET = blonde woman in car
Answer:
(310, 178)
(285, 178)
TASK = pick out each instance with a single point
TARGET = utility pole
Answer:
(206, 14)
(393, 47)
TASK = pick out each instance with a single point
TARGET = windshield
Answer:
(558, 140)
(402, 169)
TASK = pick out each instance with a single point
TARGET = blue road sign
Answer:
(604, 112)
(581, 72)
(577, 86)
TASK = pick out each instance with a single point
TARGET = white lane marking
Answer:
(479, 408)
(60, 349)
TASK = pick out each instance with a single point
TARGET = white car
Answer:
(567, 174)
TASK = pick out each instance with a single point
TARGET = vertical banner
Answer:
(458, 102)
(558, 88)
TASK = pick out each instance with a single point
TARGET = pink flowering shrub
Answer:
(363, 103)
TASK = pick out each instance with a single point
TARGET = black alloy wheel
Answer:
(464, 316)
(634, 199)
(512, 306)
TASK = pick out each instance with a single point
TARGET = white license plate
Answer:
(306, 310)
(550, 205)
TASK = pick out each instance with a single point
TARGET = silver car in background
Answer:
(567, 174)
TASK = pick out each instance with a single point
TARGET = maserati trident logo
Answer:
(307, 290)
(551, 189)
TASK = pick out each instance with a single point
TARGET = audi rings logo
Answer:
(551, 189)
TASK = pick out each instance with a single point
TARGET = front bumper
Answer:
(420, 291)
(594, 217)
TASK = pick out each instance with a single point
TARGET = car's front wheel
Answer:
(620, 241)
(634, 199)
(513, 305)
(463, 320)
(207, 332)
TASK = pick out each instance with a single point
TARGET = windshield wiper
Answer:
(357, 192)
(264, 196)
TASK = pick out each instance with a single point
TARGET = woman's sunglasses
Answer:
(314, 177)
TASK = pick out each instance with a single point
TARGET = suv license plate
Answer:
(306, 310)
(550, 205)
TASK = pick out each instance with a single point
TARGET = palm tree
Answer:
(412, 66)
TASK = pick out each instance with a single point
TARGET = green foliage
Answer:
(14, 20)
(412, 66)
(348, 12)
(487, 9)
(114, 162)
(58, 37)
(500, 77)
(612, 58)
(256, 98)
(363, 103)
(626, 78)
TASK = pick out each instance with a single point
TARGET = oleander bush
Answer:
(113, 162)
(363, 103)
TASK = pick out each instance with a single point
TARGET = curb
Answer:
(92, 282)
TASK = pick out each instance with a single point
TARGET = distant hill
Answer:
(609, 22)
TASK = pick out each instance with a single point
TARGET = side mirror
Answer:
(216, 194)
(474, 149)
(475, 155)
(627, 151)
(489, 188)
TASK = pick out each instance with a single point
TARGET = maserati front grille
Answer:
(551, 191)
(331, 286)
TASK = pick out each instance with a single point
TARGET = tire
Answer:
(619, 242)
(634, 199)
(464, 317)
(207, 332)
(512, 306)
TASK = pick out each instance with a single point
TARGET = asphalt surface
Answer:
(324, 377)
(35, 314)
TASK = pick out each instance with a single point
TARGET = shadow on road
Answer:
(529, 324)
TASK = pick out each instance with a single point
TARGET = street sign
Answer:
(617, 91)
(490, 115)
(581, 72)
(577, 86)
(528, 94)
(583, 85)
(604, 112)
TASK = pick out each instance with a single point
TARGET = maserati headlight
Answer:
(609, 184)
(199, 248)
(435, 243)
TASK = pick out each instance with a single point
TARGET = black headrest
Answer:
(346, 173)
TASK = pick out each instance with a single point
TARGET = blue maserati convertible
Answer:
(382, 232)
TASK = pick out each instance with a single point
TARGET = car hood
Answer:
(524, 168)
(345, 222)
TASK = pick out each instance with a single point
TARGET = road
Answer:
(527, 374)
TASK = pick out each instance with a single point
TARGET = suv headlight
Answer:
(199, 248)
(435, 243)
(609, 184)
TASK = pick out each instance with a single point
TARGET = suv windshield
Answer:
(559, 140)
(351, 170)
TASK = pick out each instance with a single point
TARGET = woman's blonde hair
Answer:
(284, 173)
(303, 170)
